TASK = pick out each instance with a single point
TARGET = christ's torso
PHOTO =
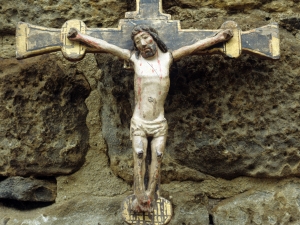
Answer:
(151, 85)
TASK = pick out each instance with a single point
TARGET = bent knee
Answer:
(159, 154)
(140, 154)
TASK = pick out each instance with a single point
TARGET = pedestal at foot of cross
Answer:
(162, 212)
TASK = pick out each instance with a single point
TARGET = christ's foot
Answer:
(141, 206)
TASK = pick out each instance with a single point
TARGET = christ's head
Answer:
(146, 41)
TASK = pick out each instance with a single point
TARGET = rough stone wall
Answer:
(233, 148)
(43, 129)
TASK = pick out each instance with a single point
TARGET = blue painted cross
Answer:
(35, 40)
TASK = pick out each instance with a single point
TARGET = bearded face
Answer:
(145, 44)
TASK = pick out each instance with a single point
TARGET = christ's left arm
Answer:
(222, 36)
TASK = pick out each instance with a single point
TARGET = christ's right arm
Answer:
(75, 35)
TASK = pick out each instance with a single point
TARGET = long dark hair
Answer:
(154, 34)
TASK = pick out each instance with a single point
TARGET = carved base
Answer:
(162, 213)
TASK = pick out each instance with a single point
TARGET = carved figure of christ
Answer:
(151, 62)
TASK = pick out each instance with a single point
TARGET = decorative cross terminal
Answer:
(35, 40)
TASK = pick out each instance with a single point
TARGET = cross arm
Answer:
(262, 42)
(34, 40)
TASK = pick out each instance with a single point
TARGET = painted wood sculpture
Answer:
(136, 40)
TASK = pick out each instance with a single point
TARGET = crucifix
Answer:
(137, 42)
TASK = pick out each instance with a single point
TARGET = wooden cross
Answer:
(34, 40)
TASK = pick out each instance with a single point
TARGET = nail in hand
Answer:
(72, 33)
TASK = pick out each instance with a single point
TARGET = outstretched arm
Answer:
(222, 36)
(75, 35)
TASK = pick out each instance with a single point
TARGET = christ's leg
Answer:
(158, 145)
(142, 202)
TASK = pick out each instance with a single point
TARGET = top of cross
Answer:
(35, 40)
(148, 9)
